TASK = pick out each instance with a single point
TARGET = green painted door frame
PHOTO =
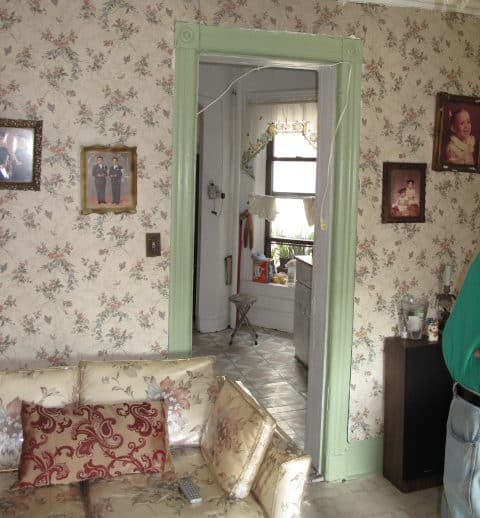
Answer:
(341, 459)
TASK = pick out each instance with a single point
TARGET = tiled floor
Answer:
(271, 372)
(268, 369)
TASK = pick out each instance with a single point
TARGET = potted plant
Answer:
(284, 254)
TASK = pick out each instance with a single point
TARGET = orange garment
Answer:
(248, 229)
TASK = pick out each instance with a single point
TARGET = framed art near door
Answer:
(457, 133)
(20, 154)
(109, 179)
(403, 197)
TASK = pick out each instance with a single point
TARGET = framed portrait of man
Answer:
(403, 199)
(20, 154)
(457, 133)
(109, 179)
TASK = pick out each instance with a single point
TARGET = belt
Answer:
(468, 395)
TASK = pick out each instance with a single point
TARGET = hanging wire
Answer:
(248, 72)
(323, 223)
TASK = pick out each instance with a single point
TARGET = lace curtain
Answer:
(266, 120)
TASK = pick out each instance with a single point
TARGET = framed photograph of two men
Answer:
(109, 179)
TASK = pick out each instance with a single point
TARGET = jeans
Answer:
(461, 477)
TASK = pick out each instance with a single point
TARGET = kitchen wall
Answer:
(215, 216)
(101, 72)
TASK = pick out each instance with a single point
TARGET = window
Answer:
(290, 177)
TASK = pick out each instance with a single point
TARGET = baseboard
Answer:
(360, 458)
(365, 457)
(211, 324)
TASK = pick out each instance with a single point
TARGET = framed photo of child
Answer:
(457, 133)
(403, 199)
(108, 179)
(20, 154)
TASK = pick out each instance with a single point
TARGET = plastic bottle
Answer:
(292, 271)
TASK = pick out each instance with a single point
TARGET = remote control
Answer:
(189, 490)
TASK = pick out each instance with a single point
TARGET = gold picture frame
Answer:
(108, 179)
(456, 134)
(20, 154)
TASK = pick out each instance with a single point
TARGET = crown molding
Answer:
(459, 6)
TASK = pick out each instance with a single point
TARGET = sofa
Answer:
(276, 473)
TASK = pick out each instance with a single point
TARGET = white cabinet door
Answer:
(301, 322)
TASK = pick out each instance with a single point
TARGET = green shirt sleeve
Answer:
(461, 335)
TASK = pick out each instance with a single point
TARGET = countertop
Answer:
(307, 259)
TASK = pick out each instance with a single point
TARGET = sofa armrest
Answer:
(280, 481)
(281, 478)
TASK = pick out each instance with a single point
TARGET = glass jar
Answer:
(413, 312)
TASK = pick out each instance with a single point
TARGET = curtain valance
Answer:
(265, 120)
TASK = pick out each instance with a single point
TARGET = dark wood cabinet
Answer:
(418, 392)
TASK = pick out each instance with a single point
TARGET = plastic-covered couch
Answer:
(190, 386)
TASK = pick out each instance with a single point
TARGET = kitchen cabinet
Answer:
(302, 311)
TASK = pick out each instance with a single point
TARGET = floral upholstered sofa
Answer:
(243, 465)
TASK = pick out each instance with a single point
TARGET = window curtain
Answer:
(265, 120)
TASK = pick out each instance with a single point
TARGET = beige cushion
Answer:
(79, 442)
(148, 496)
(281, 479)
(235, 439)
(188, 386)
(56, 386)
(42, 502)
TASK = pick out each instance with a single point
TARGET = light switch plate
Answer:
(153, 244)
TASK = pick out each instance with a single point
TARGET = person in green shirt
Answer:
(461, 351)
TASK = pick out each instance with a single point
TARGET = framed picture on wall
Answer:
(403, 193)
(457, 133)
(109, 179)
(20, 154)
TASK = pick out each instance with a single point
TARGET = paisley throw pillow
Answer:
(73, 443)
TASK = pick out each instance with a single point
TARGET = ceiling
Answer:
(461, 6)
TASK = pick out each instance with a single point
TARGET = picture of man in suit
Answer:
(114, 170)
(99, 172)
(115, 174)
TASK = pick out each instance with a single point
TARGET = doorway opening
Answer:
(275, 371)
(332, 329)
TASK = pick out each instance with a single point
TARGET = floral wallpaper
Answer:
(101, 72)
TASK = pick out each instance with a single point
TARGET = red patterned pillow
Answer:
(73, 443)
